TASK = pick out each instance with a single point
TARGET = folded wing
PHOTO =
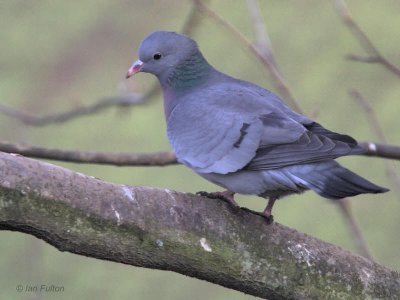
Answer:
(226, 135)
(313, 145)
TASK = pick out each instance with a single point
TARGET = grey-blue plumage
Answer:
(241, 136)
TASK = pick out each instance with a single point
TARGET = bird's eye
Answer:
(157, 56)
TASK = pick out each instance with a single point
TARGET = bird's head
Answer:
(161, 52)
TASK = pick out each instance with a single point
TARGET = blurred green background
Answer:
(57, 55)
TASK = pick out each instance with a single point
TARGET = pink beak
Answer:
(135, 68)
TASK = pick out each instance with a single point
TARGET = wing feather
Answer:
(208, 141)
(309, 147)
(242, 127)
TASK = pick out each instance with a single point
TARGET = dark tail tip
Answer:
(337, 182)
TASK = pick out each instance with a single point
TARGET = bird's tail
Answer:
(331, 180)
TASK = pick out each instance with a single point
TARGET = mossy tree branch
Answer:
(188, 234)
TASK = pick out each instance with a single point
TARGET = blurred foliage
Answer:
(56, 55)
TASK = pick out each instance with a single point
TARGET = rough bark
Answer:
(188, 234)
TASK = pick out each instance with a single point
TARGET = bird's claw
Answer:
(268, 218)
(207, 194)
(225, 196)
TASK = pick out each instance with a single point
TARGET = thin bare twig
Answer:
(355, 230)
(104, 158)
(277, 77)
(365, 59)
(121, 101)
(373, 121)
(374, 55)
(380, 150)
(372, 118)
(264, 46)
(192, 21)
(263, 42)
(147, 159)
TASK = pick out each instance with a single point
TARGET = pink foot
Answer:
(267, 213)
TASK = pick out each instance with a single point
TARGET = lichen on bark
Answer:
(188, 234)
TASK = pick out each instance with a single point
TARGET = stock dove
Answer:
(241, 136)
